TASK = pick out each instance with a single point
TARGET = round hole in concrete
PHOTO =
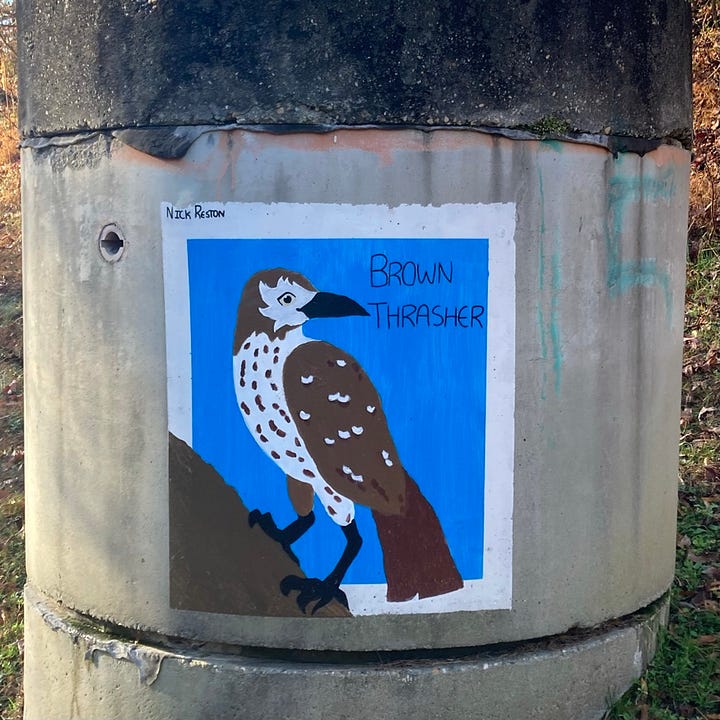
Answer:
(111, 243)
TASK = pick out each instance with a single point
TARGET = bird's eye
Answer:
(286, 298)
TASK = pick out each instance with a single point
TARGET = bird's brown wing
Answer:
(340, 418)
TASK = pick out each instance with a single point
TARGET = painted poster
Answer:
(340, 405)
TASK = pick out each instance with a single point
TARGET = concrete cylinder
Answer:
(353, 350)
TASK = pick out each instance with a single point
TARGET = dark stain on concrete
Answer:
(94, 64)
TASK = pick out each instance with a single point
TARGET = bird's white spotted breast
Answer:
(258, 375)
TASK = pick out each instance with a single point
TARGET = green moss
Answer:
(550, 125)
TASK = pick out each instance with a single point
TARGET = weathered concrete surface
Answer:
(613, 67)
(600, 286)
(81, 673)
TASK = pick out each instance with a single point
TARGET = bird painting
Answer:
(313, 410)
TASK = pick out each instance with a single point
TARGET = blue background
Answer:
(432, 382)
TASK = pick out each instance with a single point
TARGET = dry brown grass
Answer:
(9, 166)
(700, 449)
(684, 678)
(704, 221)
(12, 570)
(10, 252)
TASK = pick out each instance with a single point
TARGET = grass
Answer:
(12, 537)
(683, 682)
(12, 556)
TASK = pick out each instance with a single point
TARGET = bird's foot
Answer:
(312, 589)
(266, 522)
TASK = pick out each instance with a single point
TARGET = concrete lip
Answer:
(573, 676)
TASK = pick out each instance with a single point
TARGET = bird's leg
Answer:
(286, 536)
(312, 589)
(352, 548)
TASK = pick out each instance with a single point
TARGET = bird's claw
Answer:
(270, 528)
(311, 589)
(264, 520)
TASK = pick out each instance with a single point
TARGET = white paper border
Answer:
(319, 220)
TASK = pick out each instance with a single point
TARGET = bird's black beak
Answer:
(326, 305)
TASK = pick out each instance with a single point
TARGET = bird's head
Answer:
(276, 301)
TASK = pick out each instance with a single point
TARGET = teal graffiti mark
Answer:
(543, 348)
(551, 328)
(555, 312)
(623, 275)
(541, 286)
(555, 145)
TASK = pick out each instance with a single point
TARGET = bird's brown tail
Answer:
(416, 555)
